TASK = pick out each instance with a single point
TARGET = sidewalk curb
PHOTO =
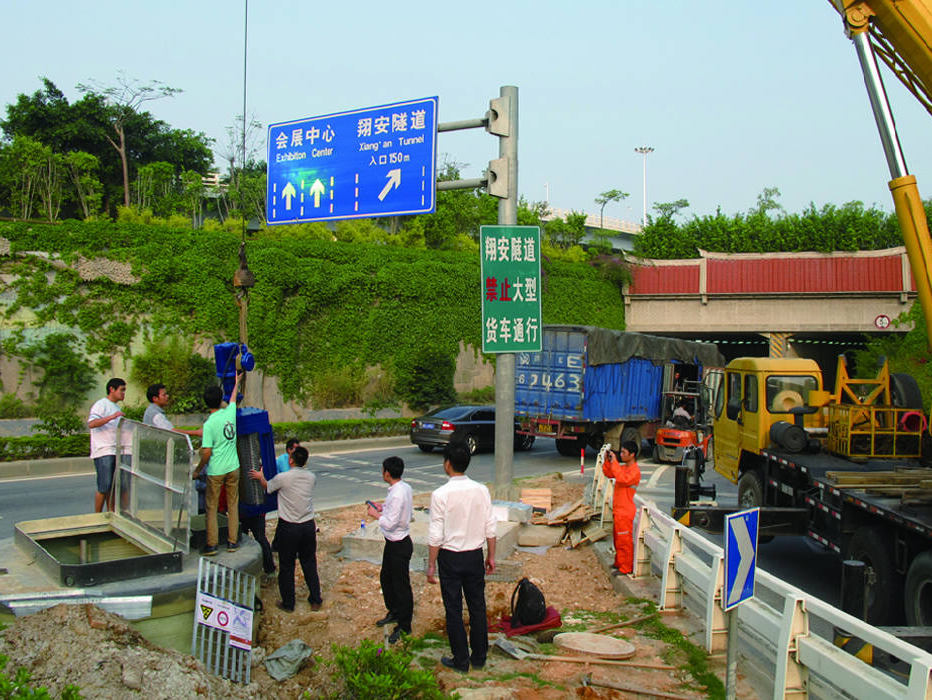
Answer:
(71, 466)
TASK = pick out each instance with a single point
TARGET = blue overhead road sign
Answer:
(378, 161)
(740, 556)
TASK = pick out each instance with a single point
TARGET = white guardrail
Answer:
(785, 635)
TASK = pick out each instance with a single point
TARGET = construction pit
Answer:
(140, 561)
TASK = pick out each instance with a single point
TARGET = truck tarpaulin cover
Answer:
(609, 346)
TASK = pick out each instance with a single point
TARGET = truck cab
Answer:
(756, 393)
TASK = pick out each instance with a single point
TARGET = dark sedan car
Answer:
(473, 425)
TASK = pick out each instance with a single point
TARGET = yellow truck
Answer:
(845, 467)
(842, 467)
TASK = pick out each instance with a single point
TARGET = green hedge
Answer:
(45, 447)
(342, 429)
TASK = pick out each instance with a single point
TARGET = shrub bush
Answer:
(184, 373)
(427, 379)
(376, 671)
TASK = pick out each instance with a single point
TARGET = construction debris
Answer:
(539, 499)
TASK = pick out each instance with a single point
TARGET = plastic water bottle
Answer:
(362, 526)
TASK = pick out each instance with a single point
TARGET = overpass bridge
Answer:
(779, 304)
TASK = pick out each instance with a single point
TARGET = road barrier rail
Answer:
(785, 635)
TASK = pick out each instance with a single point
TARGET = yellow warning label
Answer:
(206, 610)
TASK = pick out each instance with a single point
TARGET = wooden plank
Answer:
(565, 509)
(537, 498)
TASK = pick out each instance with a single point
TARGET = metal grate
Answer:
(223, 614)
(248, 449)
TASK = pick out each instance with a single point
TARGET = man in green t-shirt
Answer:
(219, 456)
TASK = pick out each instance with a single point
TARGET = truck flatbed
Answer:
(844, 493)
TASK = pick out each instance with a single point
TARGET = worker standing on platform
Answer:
(627, 476)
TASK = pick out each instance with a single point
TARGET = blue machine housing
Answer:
(254, 429)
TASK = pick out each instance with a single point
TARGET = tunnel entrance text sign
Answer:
(377, 161)
(510, 269)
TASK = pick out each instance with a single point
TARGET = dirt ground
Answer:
(99, 653)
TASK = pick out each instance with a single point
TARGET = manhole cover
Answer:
(600, 645)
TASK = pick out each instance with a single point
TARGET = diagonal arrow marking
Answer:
(745, 558)
(394, 180)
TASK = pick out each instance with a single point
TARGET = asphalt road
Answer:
(351, 475)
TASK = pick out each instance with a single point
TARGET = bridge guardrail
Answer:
(786, 644)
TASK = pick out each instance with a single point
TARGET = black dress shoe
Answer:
(281, 606)
(450, 663)
(396, 635)
(388, 619)
(477, 664)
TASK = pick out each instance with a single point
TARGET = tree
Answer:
(86, 125)
(51, 174)
(245, 188)
(767, 201)
(667, 210)
(21, 168)
(83, 170)
(605, 198)
(124, 100)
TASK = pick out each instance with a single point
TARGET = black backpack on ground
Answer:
(529, 608)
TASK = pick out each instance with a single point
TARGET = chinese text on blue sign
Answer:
(510, 288)
(378, 161)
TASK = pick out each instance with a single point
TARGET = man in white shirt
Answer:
(395, 522)
(460, 521)
(155, 411)
(297, 531)
(102, 423)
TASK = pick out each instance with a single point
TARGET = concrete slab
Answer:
(540, 535)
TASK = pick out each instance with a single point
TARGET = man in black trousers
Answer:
(297, 531)
(395, 522)
(461, 521)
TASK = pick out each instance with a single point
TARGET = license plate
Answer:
(545, 428)
(427, 426)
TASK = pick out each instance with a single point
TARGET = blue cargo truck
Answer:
(588, 385)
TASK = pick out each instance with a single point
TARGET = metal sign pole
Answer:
(505, 363)
(731, 675)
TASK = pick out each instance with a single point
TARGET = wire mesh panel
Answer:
(251, 491)
(223, 615)
(154, 487)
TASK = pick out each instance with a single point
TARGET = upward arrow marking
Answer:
(394, 180)
(745, 558)
(288, 193)
(317, 189)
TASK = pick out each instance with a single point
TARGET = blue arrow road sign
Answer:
(378, 161)
(740, 556)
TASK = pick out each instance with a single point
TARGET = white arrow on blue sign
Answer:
(740, 556)
(377, 161)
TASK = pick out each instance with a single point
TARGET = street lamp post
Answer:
(644, 150)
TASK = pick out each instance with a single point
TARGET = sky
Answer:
(733, 96)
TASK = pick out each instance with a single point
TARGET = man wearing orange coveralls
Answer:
(627, 476)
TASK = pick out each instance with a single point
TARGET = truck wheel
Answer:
(751, 495)
(426, 448)
(884, 596)
(750, 491)
(905, 391)
(569, 448)
(919, 591)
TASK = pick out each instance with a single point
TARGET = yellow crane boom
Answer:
(899, 32)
